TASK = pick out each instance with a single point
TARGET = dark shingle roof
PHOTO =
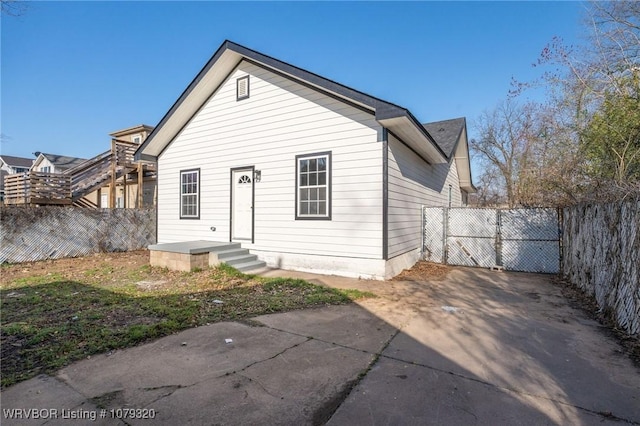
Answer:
(17, 161)
(446, 133)
(63, 162)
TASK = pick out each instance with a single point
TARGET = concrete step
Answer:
(224, 247)
(239, 260)
(225, 254)
(250, 266)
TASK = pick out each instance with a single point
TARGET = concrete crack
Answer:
(272, 357)
(607, 415)
(335, 343)
(324, 414)
(259, 384)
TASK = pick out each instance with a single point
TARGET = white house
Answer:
(306, 173)
(54, 163)
(10, 165)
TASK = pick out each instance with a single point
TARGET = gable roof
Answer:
(130, 130)
(16, 161)
(61, 162)
(397, 119)
(446, 133)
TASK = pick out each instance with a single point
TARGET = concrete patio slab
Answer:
(440, 398)
(477, 347)
(342, 325)
(294, 387)
(181, 359)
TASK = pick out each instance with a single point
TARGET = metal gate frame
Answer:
(524, 239)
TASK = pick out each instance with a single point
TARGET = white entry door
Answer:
(242, 204)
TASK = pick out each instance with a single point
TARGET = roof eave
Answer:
(463, 161)
(226, 58)
(189, 102)
(401, 123)
(229, 55)
(129, 130)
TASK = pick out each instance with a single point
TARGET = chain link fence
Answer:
(39, 233)
(514, 239)
(602, 257)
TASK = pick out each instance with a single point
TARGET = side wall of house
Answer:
(280, 119)
(414, 183)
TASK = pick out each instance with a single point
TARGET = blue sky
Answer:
(73, 72)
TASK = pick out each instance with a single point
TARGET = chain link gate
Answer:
(525, 240)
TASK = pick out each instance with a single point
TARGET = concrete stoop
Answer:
(240, 258)
(190, 255)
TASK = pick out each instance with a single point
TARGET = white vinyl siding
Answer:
(413, 183)
(281, 120)
(44, 165)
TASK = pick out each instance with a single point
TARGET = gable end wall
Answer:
(412, 184)
(280, 119)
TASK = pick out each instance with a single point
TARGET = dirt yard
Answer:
(110, 268)
(55, 312)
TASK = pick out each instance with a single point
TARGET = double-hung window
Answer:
(190, 194)
(313, 186)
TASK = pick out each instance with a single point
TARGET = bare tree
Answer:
(592, 117)
(505, 145)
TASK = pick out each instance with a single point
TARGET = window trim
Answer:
(329, 184)
(180, 194)
(238, 97)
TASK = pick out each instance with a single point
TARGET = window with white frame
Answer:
(190, 194)
(313, 186)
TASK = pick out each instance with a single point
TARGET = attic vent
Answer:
(242, 88)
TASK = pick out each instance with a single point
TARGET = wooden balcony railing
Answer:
(71, 185)
(37, 188)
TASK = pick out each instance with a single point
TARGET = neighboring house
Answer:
(110, 179)
(10, 165)
(136, 134)
(13, 165)
(127, 187)
(53, 163)
(306, 173)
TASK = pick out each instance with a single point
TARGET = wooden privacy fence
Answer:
(40, 233)
(602, 257)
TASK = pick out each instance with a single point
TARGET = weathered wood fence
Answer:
(39, 233)
(37, 188)
(602, 257)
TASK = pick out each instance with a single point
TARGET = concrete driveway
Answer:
(478, 347)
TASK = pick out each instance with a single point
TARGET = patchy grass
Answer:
(57, 313)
